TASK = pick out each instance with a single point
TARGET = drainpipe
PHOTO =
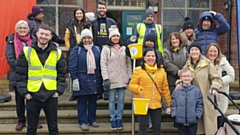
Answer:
(229, 3)
(238, 38)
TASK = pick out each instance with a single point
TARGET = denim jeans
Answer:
(120, 103)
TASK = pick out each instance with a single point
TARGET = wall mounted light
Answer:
(153, 6)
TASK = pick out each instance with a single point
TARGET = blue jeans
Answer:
(120, 105)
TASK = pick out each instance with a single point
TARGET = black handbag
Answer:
(164, 103)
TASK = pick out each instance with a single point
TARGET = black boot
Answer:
(73, 98)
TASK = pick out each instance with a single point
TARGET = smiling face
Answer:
(212, 53)
(79, 15)
(115, 39)
(186, 77)
(175, 42)
(22, 30)
(149, 19)
(195, 53)
(149, 43)
(87, 40)
(206, 24)
(102, 10)
(44, 36)
(150, 58)
(189, 32)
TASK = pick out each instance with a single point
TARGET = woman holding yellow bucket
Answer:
(143, 85)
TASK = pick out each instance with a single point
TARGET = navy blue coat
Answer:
(187, 105)
(88, 83)
(205, 37)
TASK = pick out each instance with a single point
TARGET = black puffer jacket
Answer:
(11, 58)
(22, 73)
(33, 26)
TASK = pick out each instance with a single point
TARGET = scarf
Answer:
(91, 65)
(150, 69)
(18, 45)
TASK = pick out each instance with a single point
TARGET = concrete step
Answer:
(104, 129)
(70, 116)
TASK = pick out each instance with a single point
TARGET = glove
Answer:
(106, 84)
(168, 110)
(76, 85)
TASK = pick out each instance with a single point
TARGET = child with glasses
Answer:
(187, 105)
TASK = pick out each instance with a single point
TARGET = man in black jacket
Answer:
(41, 79)
(35, 19)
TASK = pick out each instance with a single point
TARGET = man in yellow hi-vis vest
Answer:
(144, 28)
(41, 79)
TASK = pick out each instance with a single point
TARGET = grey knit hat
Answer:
(86, 32)
(149, 12)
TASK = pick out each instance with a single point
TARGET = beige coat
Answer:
(205, 78)
(224, 66)
(185, 38)
(115, 66)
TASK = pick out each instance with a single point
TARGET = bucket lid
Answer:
(234, 118)
(141, 99)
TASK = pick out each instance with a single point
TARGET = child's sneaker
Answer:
(113, 125)
(119, 124)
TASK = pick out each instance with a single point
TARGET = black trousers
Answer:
(50, 109)
(156, 122)
(20, 106)
(187, 130)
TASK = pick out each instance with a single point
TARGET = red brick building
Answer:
(127, 13)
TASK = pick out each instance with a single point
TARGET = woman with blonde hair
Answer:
(226, 72)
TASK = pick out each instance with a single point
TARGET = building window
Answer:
(58, 12)
(126, 3)
(174, 12)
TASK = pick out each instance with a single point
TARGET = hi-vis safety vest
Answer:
(141, 28)
(38, 73)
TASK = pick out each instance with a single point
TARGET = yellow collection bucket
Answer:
(140, 106)
(135, 50)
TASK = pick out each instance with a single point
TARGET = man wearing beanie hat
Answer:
(207, 32)
(144, 28)
(188, 34)
(35, 19)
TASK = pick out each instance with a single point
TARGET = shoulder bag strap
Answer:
(154, 83)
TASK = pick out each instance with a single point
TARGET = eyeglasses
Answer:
(186, 76)
(24, 28)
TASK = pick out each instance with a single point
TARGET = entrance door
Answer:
(130, 19)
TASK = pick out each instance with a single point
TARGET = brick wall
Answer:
(90, 6)
(4, 85)
(218, 6)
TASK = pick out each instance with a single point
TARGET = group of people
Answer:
(98, 60)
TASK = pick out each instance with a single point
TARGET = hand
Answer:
(28, 96)
(178, 87)
(179, 71)
(106, 84)
(133, 38)
(76, 85)
(55, 95)
(213, 92)
(213, 12)
(168, 110)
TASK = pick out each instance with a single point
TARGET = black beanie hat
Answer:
(36, 10)
(188, 23)
(151, 36)
(195, 44)
(149, 12)
(207, 18)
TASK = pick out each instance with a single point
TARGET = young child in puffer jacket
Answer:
(187, 105)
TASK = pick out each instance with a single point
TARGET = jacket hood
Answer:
(204, 14)
(188, 88)
(30, 16)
